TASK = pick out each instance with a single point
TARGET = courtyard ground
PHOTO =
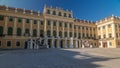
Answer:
(61, 58)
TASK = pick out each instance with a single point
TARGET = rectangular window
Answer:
(54, 23)
(27, 21)
(65, 24)
(35, 21)
(1, 17)
(41, 22)
(65, 15)
(70, 25)
(70, 16)
(110, 35)
(19, 20)
(104, 36)
(103, 27)
(98, 28)
(48, 11)
(11, 19)
(60, 24)
(48, 22)
(83, 27)
(79, 27)
(99, 36)
(110, 43)
(74, 27)
(8, 43)
(109, 25)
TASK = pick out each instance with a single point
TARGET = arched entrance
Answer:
(49, 43)
(25, 45)
(55, 43)
(61, 44)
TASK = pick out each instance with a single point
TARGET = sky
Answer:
(93, 10)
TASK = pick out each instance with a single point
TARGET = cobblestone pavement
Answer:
(61, 58)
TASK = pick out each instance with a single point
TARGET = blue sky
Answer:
(83, 9)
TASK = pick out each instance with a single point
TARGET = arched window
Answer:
(1, 30)
(65, 34)
(54, 12)
(48, 33)
(41, 33)
(10, 31)
(60, 34)
(27, 32)
(59, 14)
(34, 33)
(54, 33)
(17, 43)
(19, 31)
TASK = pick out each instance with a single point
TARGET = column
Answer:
(63, 25)
(5, 26)
(79, 44)
(38, 29)
(31, 43)
(77, 31)
(68, 28)
(14, 30)
(73, 30)
(101, 44)
(45, 32)
(31, 29)
(23, 27)
(58, 43)
(57, 28)
(76, 43)
(51, 28)
(66, 46)
(53, 40)
(107, 35)
(71, 42)
(46, 42)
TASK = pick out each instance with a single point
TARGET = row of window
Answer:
(10, 44)
(65, 25)
(109, 26)
(59, 13)
(19, 20)
(104, 36)
(27, 32)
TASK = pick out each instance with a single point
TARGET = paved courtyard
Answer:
(60, 58)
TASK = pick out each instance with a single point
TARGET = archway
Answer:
(61, 44)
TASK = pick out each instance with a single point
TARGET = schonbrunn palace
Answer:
(55, 28)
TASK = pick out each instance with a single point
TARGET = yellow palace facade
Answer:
(55, 28)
